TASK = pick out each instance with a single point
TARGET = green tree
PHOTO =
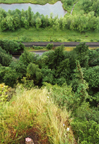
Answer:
(34, 73)
(29, 11)
(38, 23)
(5, 59)
(27, 58)
(10, 77)
(82, 54)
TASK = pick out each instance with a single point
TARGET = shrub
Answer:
(10, 77)
(92, 40)
(70, 39)
(6, 93)
(5, 59)
(87, 131)
(11, 46)
(49, 46)
(3, 93)
(34, 73)
(37, 47)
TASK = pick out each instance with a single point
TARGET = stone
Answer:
(28, 141)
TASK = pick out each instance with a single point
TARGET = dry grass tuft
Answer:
(34, 109)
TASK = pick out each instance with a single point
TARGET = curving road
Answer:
(67, 44)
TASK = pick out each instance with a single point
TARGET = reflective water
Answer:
(46, 9)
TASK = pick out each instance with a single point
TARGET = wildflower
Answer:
(28, 140)
(67, 129)
(47, 96)
(63, 124)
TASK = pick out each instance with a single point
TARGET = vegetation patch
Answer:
(46, 35)
(34, 111)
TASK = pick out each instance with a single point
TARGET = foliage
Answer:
(47, 75)
(80, 22)
(49, 46)
(37, 47)
(27, 58)
(94, 57)
(87, 131)
(19, 67)
(34, 73)
(27, 84)
(11, 46)
(3, 93)
(91, 5)
(72, 82)
(5, 59)
(10, 77)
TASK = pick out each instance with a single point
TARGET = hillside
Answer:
(32, 113)
(52, 98)
(43, 91)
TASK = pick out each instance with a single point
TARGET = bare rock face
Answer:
(28, 141)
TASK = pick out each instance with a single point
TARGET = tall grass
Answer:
(33, 35)
(34, 109)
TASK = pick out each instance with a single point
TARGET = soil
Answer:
(35, 135)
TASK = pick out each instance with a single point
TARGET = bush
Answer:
(77, 40)
(6, 93)
(11, 46)
(92, 40)
(27, 58)
(5, 59)
(34, 73)
(49, 46)
(10, 77)
(37, 47)
(70, 39)
(87, 131)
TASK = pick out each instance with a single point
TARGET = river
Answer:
(46, 9)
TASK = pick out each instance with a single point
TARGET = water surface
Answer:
(46, 9)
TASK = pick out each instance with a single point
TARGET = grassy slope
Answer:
(34, 109)
(47, 34)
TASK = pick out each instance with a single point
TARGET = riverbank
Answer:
(41, 2)
(48, 34)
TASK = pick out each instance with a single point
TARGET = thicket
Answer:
(91, 5)
(68, 4)
(75, 78)
(16, 19)
(11, 47)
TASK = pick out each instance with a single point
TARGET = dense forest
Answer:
(72, 77)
